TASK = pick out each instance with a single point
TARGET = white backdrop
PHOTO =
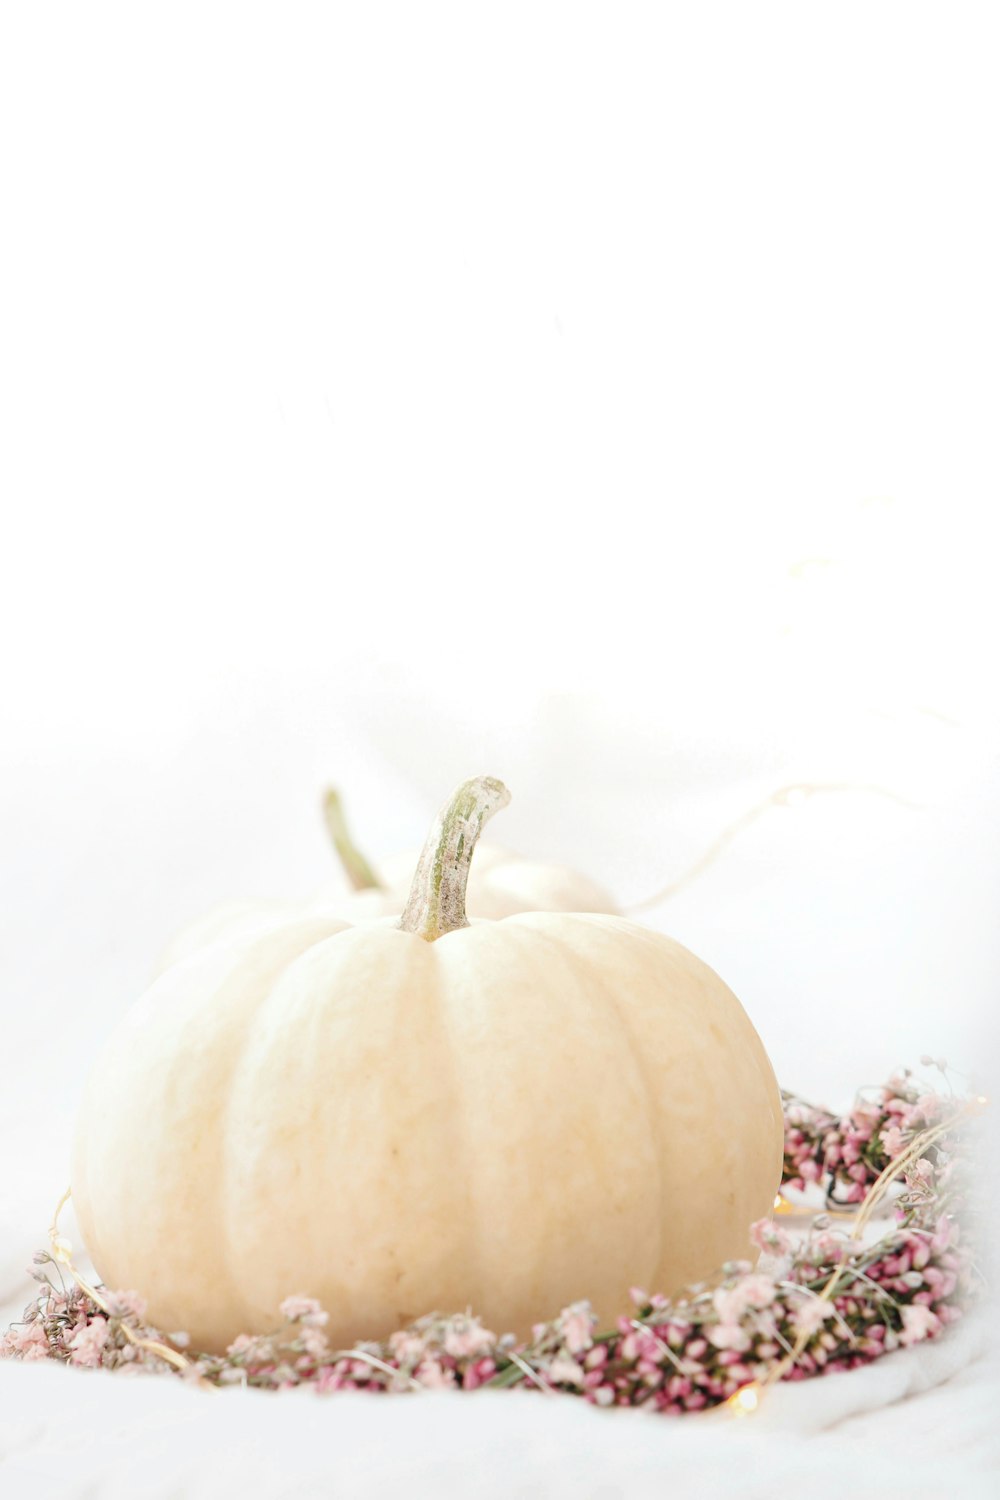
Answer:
(601, 397)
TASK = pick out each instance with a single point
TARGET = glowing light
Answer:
(782, 1205)
(795, 796)
(746, 1399)
(61, 1248)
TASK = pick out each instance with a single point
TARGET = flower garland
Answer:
(822, 1302)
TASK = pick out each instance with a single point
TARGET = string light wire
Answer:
(786, 796)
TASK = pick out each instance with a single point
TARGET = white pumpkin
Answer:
(403, 1116)
(501, 884)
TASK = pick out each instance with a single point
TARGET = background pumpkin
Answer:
(501, 884)
(396, 1118)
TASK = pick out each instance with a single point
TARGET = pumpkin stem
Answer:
(357, 869)
(436, 903)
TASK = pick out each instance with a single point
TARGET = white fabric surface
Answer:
(69, 1434)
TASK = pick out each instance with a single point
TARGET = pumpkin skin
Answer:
(398, 1118)
(501, 884)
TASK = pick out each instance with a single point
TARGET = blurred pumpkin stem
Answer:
(357, 869)
(436, 903)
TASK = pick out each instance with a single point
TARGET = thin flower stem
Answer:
(661, 1344)
(378, 1364)
(532, 1375)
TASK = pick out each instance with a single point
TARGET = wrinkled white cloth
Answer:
(65, 1433)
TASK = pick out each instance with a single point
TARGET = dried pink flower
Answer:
(729, 1336)
(127, 1305)
(88, 1341)
(768, 1236)
(465, 1336)
(314, 1343)
(576, 1324)
(918, 1323)
(407, 1347)
(731, 1302)
(565, 1371)
(758, 1290)
(810, 1314)
(303, 1310)
(26, 1340)
(433, 1376)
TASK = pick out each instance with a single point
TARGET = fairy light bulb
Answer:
(781, 1204)
(746, 1399)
